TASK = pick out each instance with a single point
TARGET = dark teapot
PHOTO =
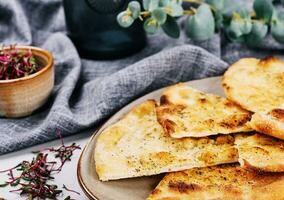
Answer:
(92, 26)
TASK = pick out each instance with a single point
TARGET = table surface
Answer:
(67, 176)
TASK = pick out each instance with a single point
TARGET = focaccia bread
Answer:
(187, 112)
(258, 86)
(137, 146)
(260, 152)
(226, 182)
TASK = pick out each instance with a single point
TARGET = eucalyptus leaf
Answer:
(231, 6)
(247, 26)
(263, 9)
(217, 4)
(279, 15)
(277, 26)
(244, 14)
(201, 25)
(171, 28)
(146, 4)
(178, 1)
(219, 19)
(150, 4)
(159, 15)
(176, 9)
(258, 32)
(277, 30)
(234, 30)
(237, 40)
(124, 19)
(208, 17)
(163, 3)
(135, 9)
(151, 25)
(238, 26)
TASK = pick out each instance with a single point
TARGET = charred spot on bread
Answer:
(235, 122)
(156, 191)
(164, 100)
(182, 187)
(267, 60)
(187, 112)
(277, 113)
(169, 126)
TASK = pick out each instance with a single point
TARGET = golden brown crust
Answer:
(270, 124)
(186, 112)
(137, 145)
(267, 61)
(168, 125)
(235, 121)
(182, 187)
(259, 152)
(225, 182)
(263, 169)
(164, 100)
(278, 114)
(258, 86)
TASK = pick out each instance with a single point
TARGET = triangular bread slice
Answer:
(187, 112)
(260, 152)
(258, 86)
(226, 182)
(271, 123)
(137, 146)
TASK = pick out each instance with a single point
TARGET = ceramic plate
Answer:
(134, 188)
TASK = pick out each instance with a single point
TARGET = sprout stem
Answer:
(35, 175)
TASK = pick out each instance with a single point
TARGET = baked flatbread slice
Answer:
(187, 112)
(138, 146)
(271, 123)
(226, 182)
(258, 86)
(260, 152)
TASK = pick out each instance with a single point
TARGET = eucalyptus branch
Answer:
(188, 12)
(206, 17)
(193, 1)
(145, 13)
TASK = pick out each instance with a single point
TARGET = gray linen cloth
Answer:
(87, 91)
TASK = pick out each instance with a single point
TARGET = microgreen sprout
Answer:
(16, 63)
(35, 176)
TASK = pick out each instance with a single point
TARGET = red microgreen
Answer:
(35, 175)
(16, 63)
(69, 190)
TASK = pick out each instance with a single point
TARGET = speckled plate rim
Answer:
(85, 189)
(198, 84)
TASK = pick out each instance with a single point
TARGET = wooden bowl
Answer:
(20, 97)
